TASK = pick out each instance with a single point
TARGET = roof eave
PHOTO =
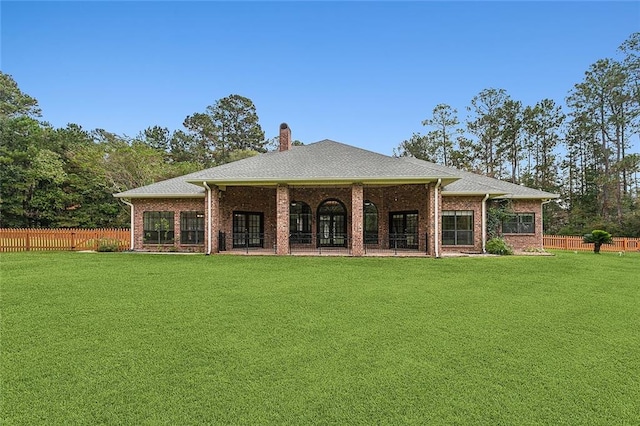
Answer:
(125, 195)
(446, 193)
(530, 197)
(322, 181)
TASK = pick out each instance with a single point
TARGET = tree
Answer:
(156, 137)
(484, 124)
(631, 62)
(604, 98)
(89, 202)
(237, 122)
(541, 126)
(20, 144)
(444, 120)
(597, 237)
(510, 116)
(417, 146)
(13, 102)
(201, 141)
(228, 125)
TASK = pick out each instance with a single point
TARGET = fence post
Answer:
(28, 241)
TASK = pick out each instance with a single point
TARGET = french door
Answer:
(332, 224)
(248, 229)
(403, 230)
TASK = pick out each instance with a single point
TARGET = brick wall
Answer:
(465, 203)
(169, 204)
(517, 241)
(248, 199)
(396, 199)
(524, 241)
(386, 199)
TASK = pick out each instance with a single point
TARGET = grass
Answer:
(119, 338)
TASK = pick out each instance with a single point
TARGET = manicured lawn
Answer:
(115, 338)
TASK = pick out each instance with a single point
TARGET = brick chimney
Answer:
(285, 137)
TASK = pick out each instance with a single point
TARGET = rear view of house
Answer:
(330, 197)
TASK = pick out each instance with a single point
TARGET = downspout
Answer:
(437, 221)
(208, 251)
(131, 226)
(484, 223)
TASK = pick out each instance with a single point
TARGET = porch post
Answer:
(215, 218)
(432, 233)
(282, 219)
(357, 219)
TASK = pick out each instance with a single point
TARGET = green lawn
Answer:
(120, 338)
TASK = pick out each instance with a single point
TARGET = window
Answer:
(158, 227)
(457, 228)
(519, 223)
(300, 222)
(191, 227)
(248, 229)
(370, 223)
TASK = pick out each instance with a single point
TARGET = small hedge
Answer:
(498, 245)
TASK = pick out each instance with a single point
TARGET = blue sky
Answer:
(362, 73)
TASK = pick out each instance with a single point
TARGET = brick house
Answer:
(330, 197)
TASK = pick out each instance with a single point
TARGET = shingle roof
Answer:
(472, 183)
(328, 162)
(177, 187)
(321, 161)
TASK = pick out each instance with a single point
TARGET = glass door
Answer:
(332, 224)
(403, 230)
(248, 229)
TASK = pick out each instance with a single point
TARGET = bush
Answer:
(108, 245)
(597, 237)
(498, 245)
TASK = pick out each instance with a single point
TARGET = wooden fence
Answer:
(90, 239)
(62, 239)
(565, 242)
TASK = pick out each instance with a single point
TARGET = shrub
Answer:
(597, 237)
(498, 245)
(108, 245)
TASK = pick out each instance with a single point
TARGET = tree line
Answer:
(65, 177)
(582, 152)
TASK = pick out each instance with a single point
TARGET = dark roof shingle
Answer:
(329, 161)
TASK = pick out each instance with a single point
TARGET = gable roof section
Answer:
(328, 162)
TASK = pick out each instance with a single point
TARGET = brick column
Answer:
(282, 219)
(215, 218)
(357, 219)
(431, 220)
